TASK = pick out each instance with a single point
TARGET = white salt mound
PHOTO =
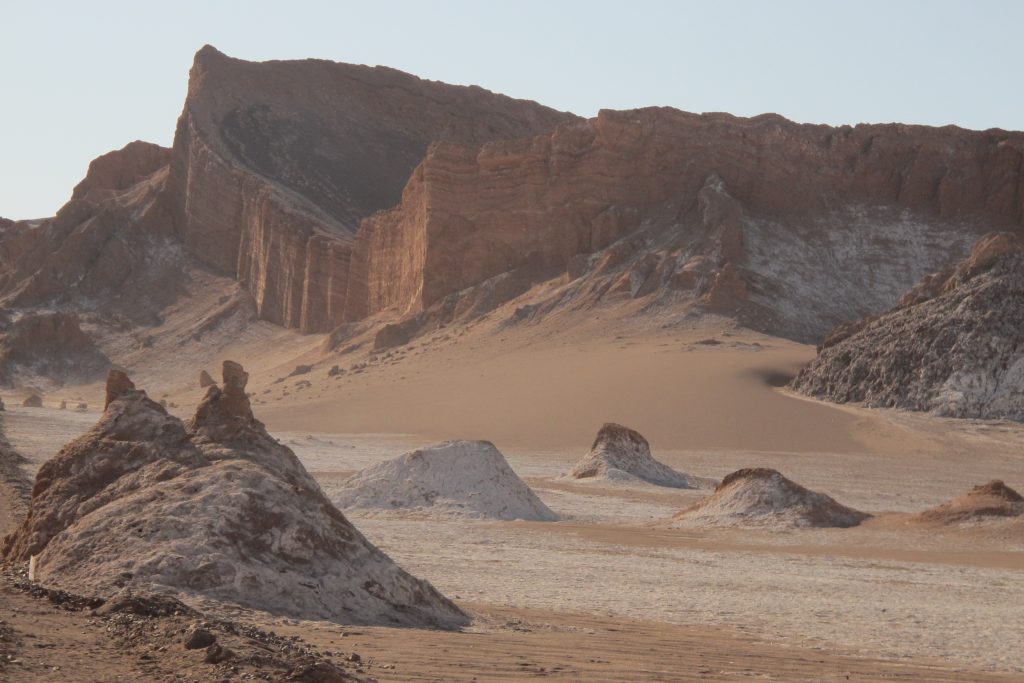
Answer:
(461, 479)
(622, 454)
(761, 497)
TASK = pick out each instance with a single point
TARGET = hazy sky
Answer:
(81, 78)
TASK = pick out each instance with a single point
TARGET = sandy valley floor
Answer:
(611, 593)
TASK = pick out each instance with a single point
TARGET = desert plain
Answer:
(613, 590)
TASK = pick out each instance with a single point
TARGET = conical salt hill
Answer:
(454, 479)
(986, 502)
(215, 508)
(622, 454)
(761, 497)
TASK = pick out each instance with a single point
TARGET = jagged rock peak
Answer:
(228, 403)
(118, 384)
(140, 502)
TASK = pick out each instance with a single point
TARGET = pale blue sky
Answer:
(80, 78)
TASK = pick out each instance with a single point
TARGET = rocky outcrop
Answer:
(338, 193)
(33, 401)
(214, 508)
(455, 479)
(111, 250)
(121, 169)
(205, 380)
(49, 346)
(276, 163)
(953, 346)
(761, 497)
(622, 454)
(758, 216)
(985, 502)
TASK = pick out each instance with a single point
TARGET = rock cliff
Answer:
(796, 226)
(339, 192)
(275, 164)
(954, 345)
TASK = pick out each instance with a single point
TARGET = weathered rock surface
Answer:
(762, 497)
(276, 163)
(49, 346)
(205, 380)
(33, 401)
(122, 169)
(622, 454)
(215, 508)
(796, 227)
(468, 479)
(954, 345)
(985, 502)
(337, 193)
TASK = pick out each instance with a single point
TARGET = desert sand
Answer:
(609, 592)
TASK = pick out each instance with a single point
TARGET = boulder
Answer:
(33, 401)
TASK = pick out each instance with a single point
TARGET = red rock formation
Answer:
(335, 192)
(122, 168)
(276, 163)
(472, 212)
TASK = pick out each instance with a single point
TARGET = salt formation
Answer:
(214, 508)
(989, 501)
(622, 454)
(469, 479)
(763, 497)
(953, 346)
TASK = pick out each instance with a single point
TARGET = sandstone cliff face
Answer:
(337, 192)
(732, 205)
(953, 346)
(275, 164)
